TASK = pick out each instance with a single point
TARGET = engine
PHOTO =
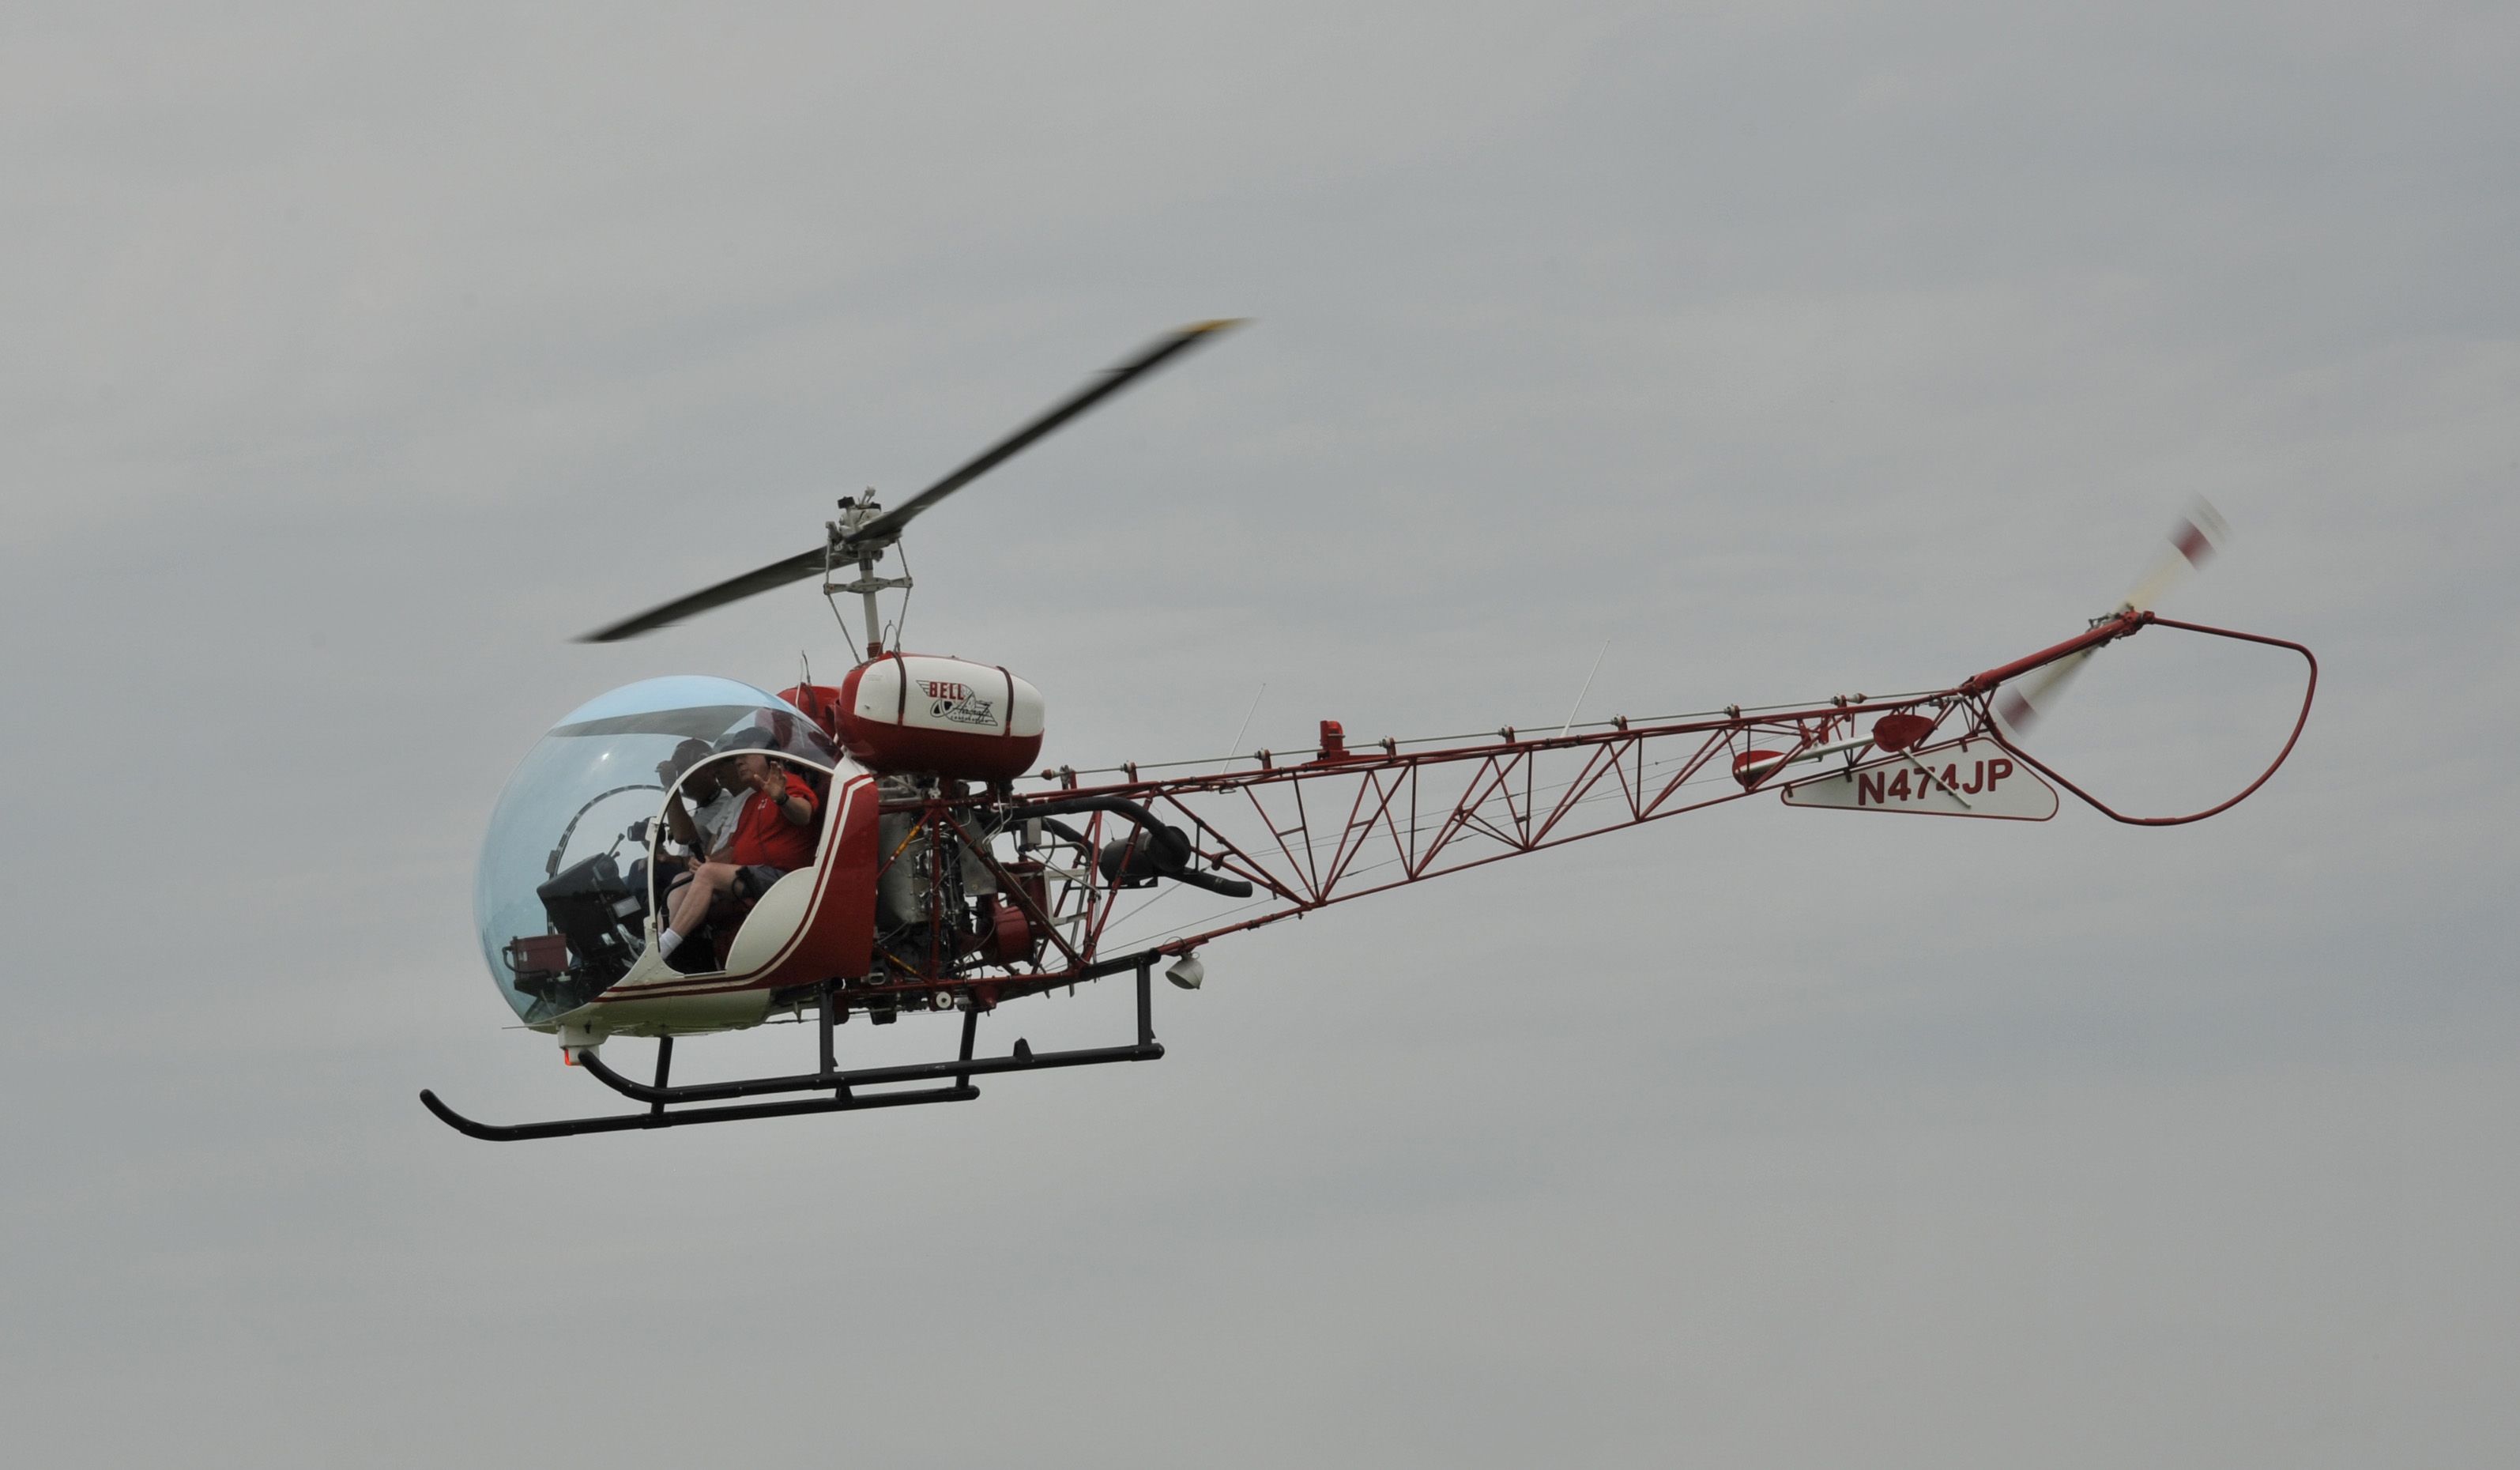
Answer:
(924, 722)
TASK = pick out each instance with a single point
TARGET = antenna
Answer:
(1587, 689)
(1234, 744)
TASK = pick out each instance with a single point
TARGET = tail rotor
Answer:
(2192, 542)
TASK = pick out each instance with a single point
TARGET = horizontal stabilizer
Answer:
(1972, 777)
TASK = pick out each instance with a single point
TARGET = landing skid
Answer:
(843, 1087)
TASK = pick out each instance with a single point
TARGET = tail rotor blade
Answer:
(2023, 701)
(2192, 542)
(2200, 533)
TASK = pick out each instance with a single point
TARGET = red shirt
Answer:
(763, 835)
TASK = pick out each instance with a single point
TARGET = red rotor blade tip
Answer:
(2191, 541)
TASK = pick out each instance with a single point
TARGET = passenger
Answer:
(706, 834)
(774, 835)
(702, 833)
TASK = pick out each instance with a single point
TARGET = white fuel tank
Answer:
(922, 713)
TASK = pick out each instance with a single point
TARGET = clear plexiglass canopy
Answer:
(561, 896)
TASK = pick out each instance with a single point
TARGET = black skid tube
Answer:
(958, 1072)
(620, 1123)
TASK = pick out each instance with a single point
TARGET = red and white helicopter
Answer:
(948, 874)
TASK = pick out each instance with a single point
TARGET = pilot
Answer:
(774, 835)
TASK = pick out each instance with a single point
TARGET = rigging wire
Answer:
(1490, 735)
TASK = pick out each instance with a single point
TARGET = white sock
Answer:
(666, 944)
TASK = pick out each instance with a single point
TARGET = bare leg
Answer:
(690, 904)
(671, 899)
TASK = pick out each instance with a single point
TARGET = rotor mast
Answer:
(843, 546)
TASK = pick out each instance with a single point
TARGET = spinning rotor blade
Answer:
(884, 529)
(2020, 704)
(1162, 349)
(2192, 541)
(734, 589)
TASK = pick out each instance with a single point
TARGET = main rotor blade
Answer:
(794, 569)
(885, 526)
(1157, 352)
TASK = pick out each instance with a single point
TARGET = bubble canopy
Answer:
(560, 897)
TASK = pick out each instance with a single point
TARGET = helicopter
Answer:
(928, 866)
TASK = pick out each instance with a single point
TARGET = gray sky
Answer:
(353, 365)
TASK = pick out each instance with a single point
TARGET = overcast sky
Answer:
(354, 363)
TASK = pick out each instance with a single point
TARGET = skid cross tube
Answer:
(958, 1071)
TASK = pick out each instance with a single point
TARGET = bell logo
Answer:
(946, 690)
